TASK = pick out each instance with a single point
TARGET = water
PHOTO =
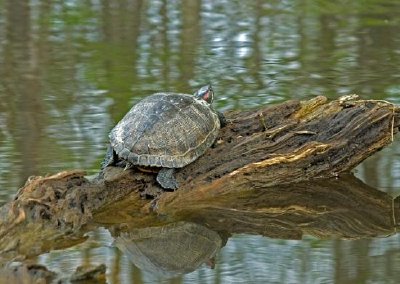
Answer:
(69, 70)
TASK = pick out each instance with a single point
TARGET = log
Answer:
(289, 143)
(269, 149)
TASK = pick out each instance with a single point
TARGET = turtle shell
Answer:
(165, 130)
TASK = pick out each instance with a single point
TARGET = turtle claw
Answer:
(128, 166)
(166, 178)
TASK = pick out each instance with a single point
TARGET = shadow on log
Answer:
(255, 179)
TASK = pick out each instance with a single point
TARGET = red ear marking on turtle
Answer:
(206, 96)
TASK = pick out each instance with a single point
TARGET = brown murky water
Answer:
(69, 70)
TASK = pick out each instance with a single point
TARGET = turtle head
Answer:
(205, 93)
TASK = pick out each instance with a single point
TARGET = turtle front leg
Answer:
(110, 159)
(166, 178)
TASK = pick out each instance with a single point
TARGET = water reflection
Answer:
(171, 249)
(193, 227)
(305, 225)
(344, 208)
(333, 210)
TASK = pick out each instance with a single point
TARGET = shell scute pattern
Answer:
(165, 130)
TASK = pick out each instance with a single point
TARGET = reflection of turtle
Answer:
(172, 249)
(166, 130)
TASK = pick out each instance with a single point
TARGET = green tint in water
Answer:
(69, 70)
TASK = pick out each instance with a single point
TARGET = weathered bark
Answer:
(289, 143)
(259, 156)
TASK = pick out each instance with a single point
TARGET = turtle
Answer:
(166, 130)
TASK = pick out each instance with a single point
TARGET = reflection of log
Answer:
(343, 208)
(333, 208)
(268, 148)
(33, 273)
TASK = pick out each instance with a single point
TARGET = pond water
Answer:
(69, 70)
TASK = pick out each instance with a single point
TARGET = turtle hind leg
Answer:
(167, 179)
(222, 120)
